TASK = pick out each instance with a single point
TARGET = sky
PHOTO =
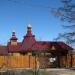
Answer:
(16, 14)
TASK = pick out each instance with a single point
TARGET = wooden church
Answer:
(32, 54)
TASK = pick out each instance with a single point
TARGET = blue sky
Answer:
(14, 15)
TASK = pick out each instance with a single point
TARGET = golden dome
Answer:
(29, 26)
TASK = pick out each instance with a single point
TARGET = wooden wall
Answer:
(29, 61)
(12, 62)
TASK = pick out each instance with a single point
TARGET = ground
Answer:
(40, 72)
(61, 72)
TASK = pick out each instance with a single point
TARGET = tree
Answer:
(66, 13)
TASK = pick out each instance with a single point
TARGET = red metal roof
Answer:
(38, 46)
(64, 46)
(30, 44)
(14, 48)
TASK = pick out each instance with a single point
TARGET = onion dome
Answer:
(29, 26)
(13, 36)
(29, 30)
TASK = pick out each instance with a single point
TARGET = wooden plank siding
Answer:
(26, 61)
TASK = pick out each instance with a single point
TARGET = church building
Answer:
(33, 54)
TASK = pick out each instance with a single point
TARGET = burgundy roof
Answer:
(64, 46)
(13, 38)
(30, 44)
(41, 45)
(38, 46)
(47, 46)
(14, 48)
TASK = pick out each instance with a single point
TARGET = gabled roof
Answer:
(64, 46)
(14, 48)
(41, 46)
(38, 46)
(47, 46)
(30, 44)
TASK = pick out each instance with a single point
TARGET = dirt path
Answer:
(60, 72)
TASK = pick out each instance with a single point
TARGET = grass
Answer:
(24, 72)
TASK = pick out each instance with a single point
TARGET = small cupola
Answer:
(13, 39)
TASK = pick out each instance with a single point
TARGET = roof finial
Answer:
(29, 25)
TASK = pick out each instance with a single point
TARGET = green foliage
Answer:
(24, 72)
